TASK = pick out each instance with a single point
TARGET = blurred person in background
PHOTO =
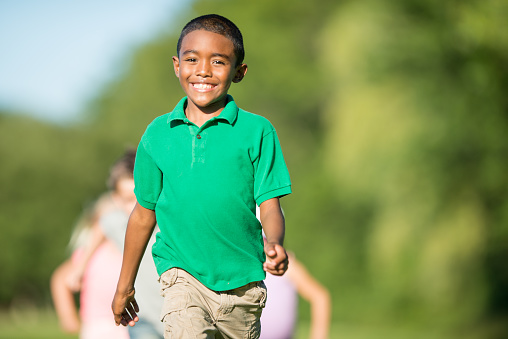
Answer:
(279, 317)
(107, 230)
(96, 283)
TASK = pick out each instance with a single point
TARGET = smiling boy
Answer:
(200, 172)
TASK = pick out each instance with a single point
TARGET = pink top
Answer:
(97, 291)
(279, 315)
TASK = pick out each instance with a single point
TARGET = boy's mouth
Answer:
(202, 86)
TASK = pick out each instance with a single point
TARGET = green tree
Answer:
(47, 175)
(415, 131)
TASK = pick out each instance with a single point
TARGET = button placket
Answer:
(198, 145)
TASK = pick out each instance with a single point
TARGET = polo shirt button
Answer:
(199, 136)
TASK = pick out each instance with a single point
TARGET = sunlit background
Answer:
(393, 118)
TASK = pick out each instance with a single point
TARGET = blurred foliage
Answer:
(417, 127)
(393, 120)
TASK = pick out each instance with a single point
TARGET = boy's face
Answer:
(206, 67)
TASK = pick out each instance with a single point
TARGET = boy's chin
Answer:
(210, 105)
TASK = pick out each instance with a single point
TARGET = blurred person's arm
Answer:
(76, 273)
(272, 220)
(63, 299)
(316, 294)
(139, 229)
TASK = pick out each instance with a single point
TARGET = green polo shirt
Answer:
(204, 184)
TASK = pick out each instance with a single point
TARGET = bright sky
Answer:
(55, 54)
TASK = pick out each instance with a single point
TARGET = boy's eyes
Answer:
(215, 62)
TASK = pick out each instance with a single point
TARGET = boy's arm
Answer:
(139, 229)
(272, 221)
(63, 299)
(316, 294)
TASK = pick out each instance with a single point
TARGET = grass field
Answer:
(33, 323)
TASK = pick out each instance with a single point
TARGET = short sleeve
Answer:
(147, 178)
(271, 176)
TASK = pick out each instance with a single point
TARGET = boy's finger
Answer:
(270, 250)
(274, 267)
(276, 271)
(135, 305)
(282, 256)
(131, 316)
(120, 320)
(278, 257)
(128, 319)
(131, 308)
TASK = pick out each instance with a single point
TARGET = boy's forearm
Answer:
(272, 221)
(139, 229)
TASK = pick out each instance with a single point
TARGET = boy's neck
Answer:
(200, 115)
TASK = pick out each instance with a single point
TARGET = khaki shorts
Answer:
(191, 310)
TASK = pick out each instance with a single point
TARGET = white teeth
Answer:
(202, 86)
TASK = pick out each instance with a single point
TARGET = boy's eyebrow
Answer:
(191, 51)
(225, 56)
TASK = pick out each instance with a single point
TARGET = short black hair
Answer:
(216, 24)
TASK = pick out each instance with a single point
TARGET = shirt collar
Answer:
(229, 113)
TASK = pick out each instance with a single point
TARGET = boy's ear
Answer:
(240, 73)
(176, 65)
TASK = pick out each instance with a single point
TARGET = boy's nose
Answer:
(204, 69)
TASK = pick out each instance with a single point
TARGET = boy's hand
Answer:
(125, 308)
(276, 259)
